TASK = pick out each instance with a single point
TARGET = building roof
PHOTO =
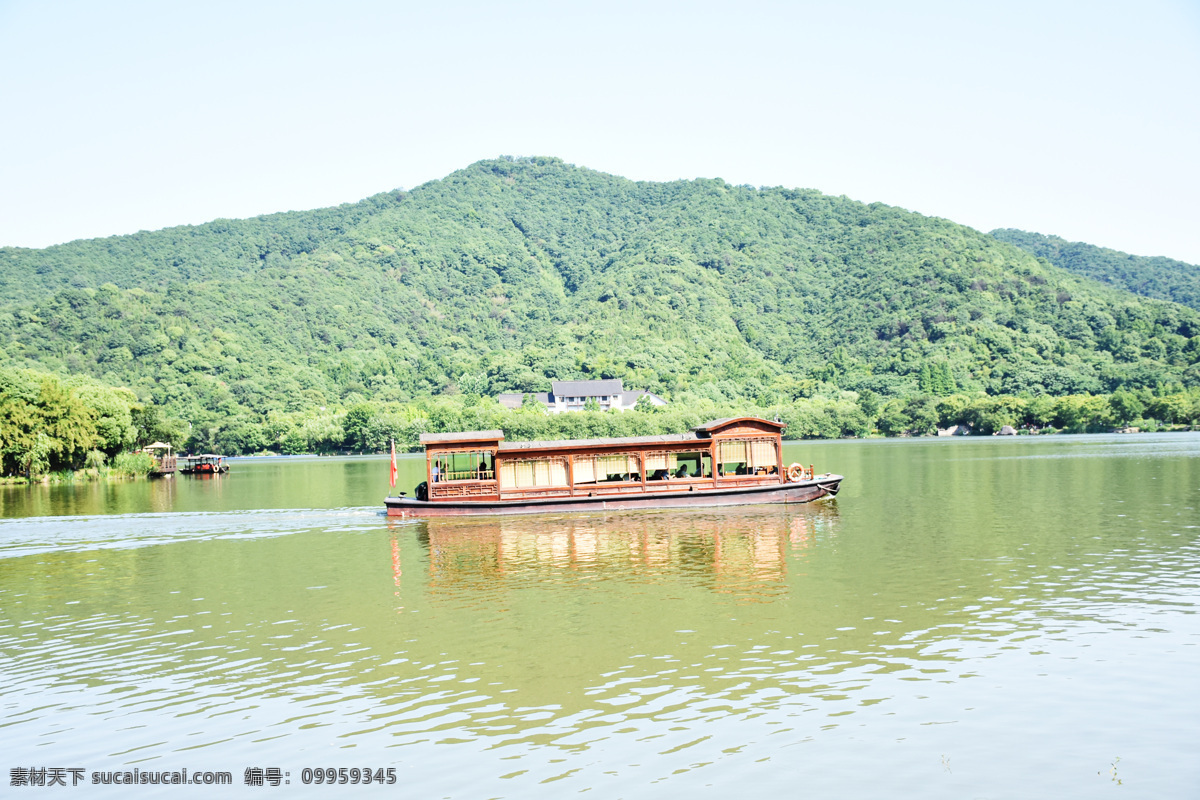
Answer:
(580, 389)
(587, 388)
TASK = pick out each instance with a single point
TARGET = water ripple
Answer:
(738, 651)
(36, 535)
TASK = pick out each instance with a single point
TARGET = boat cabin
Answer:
(205, 464)
(722, 454)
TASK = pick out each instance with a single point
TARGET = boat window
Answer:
(664, 466)
(746, 456)
(473, 466)
(525, 473)
(598, 469)
(693, 465)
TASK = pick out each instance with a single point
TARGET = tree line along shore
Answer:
(66, 430)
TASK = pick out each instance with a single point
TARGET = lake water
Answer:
(969, 618)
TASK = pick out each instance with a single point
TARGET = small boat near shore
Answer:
(734, 461)
(207, 464)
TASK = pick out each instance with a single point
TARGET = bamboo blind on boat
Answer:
(611, 465)
(530, 472)
(657, 461)
(731, 452)
(752, 452)
(590, 469)
(584, 469)
(762, 453)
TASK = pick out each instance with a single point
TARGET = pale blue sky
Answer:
(1080, 119)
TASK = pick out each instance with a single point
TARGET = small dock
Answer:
(164, 459)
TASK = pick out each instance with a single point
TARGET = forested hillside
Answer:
(1158, 277)
(513, 272)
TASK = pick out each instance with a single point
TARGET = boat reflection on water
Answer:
(741, 551)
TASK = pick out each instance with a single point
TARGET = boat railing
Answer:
(607, 487)
(468, 486)
(467, 475)
(680, 484)
(539, 491)
(473, 489)
(729, 481)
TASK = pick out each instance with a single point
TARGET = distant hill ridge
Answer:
(516, 272)
(1149, 276)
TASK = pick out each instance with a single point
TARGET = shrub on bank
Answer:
(131, 465)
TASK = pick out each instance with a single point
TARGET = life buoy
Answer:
(795, 473)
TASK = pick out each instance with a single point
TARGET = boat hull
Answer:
(789, 493)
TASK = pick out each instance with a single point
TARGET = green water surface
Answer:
(969, 618)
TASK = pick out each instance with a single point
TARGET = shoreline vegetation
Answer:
(832, 414)
(73, 430)
(127, 466)
(1086, 415)
(67, 430)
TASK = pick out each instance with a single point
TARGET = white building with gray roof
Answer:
(573, 396)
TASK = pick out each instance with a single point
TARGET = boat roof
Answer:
(725, 422)
(463, 436)
(496, 438)
(691, 436)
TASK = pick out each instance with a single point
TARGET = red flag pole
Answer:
(393, 474)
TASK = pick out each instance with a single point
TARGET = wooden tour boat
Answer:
(207, 464)
(735, 461)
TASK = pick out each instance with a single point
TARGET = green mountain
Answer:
(1157, 277)
(527, 270)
